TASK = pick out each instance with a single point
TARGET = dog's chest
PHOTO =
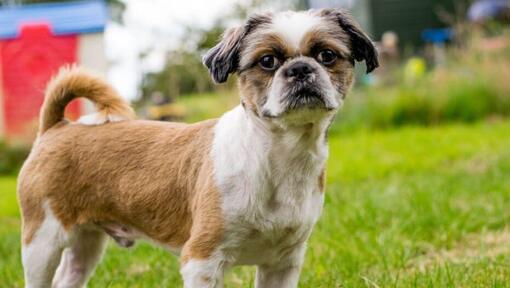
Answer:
(262, 235)
(269, 185)
(267, 215)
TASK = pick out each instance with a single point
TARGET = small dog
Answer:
(246, 189)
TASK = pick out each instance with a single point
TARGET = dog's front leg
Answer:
(269, 277)
(203, 273)
(284, 274)
(202, 262)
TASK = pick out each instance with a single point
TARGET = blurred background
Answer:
(419, 175)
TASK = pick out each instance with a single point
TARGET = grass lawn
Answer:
(413, 207)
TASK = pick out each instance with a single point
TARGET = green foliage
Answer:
(412, 207)
(11, 158)
(472, 86)
(183, 74)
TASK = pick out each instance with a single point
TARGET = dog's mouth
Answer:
(304, 96)
(301, 97)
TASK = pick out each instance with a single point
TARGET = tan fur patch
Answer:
(322, 181)
(342, 76)
(71, 83)
(264, 43)
(254, 83)
(253, 86)
(331, 37)
(153, 176)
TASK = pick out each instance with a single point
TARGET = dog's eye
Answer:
(268, 62)
(326, 57)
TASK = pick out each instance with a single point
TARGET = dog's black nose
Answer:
(299, 70)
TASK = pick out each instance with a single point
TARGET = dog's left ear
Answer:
(362, 47)
(223, 59)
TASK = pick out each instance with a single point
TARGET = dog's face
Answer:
(293, 66)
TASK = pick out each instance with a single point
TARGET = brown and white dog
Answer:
(245, 189)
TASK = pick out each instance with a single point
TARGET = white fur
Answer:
(77, 252)
(80, 259)
(285, 275)
(274, 104)
(204, 273)
(293, 26)
(98, 119)
(269, 186)
(41, 257)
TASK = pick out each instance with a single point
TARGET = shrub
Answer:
(472, 86)
(11, 158)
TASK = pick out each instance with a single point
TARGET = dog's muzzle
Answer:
(303, 90)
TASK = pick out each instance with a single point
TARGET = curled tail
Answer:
(71, 83)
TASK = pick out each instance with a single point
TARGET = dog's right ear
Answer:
(223, 59)
(362, 47)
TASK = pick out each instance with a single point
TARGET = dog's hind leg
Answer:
(42, 252)
(80, 259)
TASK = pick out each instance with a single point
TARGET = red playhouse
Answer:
(35, 41)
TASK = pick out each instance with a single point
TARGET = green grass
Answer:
(414, 207)
(209, 105)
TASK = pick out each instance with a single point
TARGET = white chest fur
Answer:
(269, 186)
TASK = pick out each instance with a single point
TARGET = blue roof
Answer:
(65, 18)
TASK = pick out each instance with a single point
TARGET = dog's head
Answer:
(293, 66)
